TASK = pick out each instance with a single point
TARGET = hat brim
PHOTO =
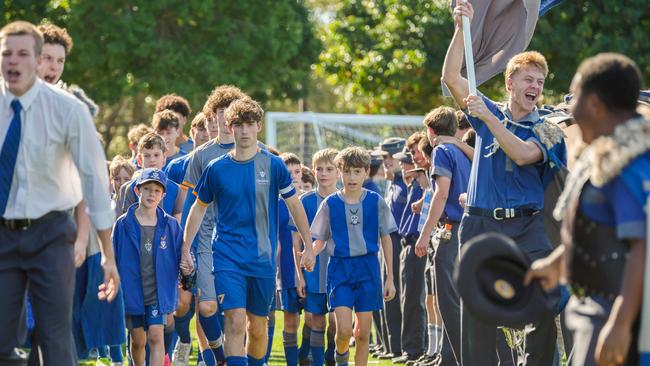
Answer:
(489, 256)
(154, 181)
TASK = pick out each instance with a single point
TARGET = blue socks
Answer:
(290, 342)
(208, 358)
(252, 361)
(331, 346)
(271, 332)
(305, 345)
(211, 327)
(342, 359)
(115, 353)
(317, 343)
(236, 361)
(183, 325)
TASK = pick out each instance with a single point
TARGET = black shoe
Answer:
(330, 363)
(304, 361)
(434, 360)
(412, 359)
(17, 357)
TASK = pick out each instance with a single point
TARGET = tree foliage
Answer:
(385, 56)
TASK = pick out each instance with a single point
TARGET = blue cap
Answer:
(153, 175)
(392, 145)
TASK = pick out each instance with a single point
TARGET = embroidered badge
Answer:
(147, 245)
(504, 289)
(163, 242)
(155, 175)
(354, 218)
(154, 313)
(262, 174)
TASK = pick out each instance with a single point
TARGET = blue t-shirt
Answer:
(176, 169)
(396, 196)
(449, 161)
(409, 222)
(352, 230)
(245, 193)
(495, 180)
(286, 267)
(187, 145)
(615, 204)
(316, 280)
(180, 153)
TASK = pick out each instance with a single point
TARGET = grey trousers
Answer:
(392, 309)
(414, 316)
(479, 340)
(40, 260)
(446, 260)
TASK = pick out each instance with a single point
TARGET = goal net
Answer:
(304, 133)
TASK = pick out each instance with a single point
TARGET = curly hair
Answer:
(220, 98)
(56, 35)
(244, 110)
(175, 103)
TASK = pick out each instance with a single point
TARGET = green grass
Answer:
(277, 352)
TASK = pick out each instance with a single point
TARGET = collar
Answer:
(531, 117)
(26, 99)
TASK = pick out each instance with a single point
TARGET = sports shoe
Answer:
(181, 355)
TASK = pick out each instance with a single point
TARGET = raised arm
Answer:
(458, 86)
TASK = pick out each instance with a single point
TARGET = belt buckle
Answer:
(495, 213)
(13, 224)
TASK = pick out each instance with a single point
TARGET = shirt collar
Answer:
(531, 117)
(26, 99)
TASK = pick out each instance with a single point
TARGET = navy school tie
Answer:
(9, 154)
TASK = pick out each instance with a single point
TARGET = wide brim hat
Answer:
(490, 280)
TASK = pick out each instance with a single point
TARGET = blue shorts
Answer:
(316, 303)
(290, 301)
(238, 291)
(151, 317)
(355, 282)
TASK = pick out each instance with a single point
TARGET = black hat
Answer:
(490, 280)
(392, 145)
(375, 158)
(404, 156)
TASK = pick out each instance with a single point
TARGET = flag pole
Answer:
(469, 55)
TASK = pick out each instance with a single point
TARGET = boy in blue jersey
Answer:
(244, 184)
(167, 124)
(312, 286)
(350, 224)
(147, 244)
(151, 154)
(450, 172)
(291, 303)
(221, 142)
(181, 107)
(518, 153)
(604, 224)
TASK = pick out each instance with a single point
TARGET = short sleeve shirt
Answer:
(449, 161)
(246, 193)
(353, 229)
(495, 180)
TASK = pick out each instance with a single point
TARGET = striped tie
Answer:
(9, 154)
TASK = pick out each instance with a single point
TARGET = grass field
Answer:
(277, 353)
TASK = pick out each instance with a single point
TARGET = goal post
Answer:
(307, 132)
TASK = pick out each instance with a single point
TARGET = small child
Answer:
(308, 181)
(147, 244)
(351, 223)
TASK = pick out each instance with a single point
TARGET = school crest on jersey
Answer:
(262, 178)
(148, 245)
(163, 242)
(354, 218)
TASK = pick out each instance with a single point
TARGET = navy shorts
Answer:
(290, 301)
(355, 282)
(151, 317)
(316, 303)
(238, 291)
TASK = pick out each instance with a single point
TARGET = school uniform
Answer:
(603, 209)
(48, 138)
(352, 234)
(176, 169)
(170, 203)
(245, 242)
(449, 161)
(287, 278)
(166, 253)
(178, 154)
(412, 279)
(507, 198)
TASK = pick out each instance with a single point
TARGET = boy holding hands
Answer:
(351, 224)
(147, 244)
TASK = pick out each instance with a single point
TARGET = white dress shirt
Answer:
(59, 147)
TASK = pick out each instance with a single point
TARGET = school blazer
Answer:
(168, 240)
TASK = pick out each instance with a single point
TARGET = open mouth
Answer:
(50, 78)
(12, 75)
(531, 97)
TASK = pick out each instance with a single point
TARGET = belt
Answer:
(501, 213)
(24, 224)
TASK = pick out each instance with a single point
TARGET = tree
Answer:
(385, 56)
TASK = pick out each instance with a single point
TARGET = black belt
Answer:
(501, 213)
(24, 224)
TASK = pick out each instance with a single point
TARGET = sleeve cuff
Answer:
(204, 204)
(541, 147)
(631, 230)
(102, 220)
(443, 172)
(287, 192)
(187, 184)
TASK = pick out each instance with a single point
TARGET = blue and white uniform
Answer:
(244, 246)
(287, 278)
(352, 234)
